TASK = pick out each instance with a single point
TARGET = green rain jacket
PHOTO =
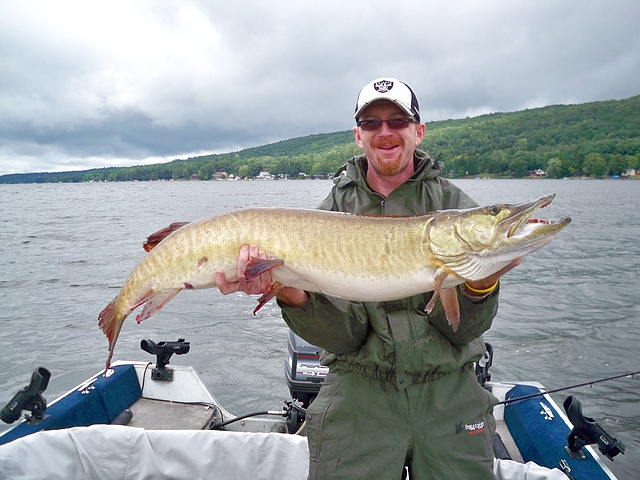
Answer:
(395, 342)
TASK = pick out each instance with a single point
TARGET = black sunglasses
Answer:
(393, 124)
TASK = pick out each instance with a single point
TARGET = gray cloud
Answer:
(85, 85)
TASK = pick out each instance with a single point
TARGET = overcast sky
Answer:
(88, 84)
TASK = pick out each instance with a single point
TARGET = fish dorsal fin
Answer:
(155, 238)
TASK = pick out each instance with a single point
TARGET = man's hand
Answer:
(256, 286)
(290, 296)
(489, 282)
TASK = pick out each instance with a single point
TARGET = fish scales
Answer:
(346, 244)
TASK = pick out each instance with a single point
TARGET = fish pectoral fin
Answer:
(271, 292)
(439, 278)
(155, 302)
(449, 299)
(257, 266)
(155, 238)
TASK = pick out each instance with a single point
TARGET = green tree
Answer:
(206, 171)
(518, 168)
(323, 167)
(595, 165)
(243, 171)
(554, 168)
(618, 164)
(459, 166)
(521, 144)
(498, 162)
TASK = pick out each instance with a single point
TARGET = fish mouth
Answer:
(521, 215)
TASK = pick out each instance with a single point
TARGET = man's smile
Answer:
(387, 146)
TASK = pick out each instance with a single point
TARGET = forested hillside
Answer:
(592, 139)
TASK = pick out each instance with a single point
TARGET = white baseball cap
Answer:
(388, 89)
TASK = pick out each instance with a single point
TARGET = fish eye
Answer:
(494, 209)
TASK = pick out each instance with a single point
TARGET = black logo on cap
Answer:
(383, 86)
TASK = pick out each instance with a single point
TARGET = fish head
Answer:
(475, 243)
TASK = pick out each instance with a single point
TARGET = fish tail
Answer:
(110, 326)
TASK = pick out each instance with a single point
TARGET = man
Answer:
(401, 388)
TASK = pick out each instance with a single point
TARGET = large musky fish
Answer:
(350, 256)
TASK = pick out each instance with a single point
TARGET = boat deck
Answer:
(507, 440)
(164, 415)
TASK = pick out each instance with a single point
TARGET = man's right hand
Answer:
(293, 297)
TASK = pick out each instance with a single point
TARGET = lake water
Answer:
(568, 314)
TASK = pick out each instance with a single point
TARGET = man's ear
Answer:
(420, 132)
(356, 135)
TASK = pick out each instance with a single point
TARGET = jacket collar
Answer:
(355, 170)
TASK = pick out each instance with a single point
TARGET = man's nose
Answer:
(384, 129)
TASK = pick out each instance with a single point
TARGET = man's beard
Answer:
(390, 168)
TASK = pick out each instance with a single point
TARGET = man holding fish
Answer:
(401, 388)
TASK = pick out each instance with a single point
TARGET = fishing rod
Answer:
(593, 382)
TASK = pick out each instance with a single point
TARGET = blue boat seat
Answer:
(98, 402)
(540, 433)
